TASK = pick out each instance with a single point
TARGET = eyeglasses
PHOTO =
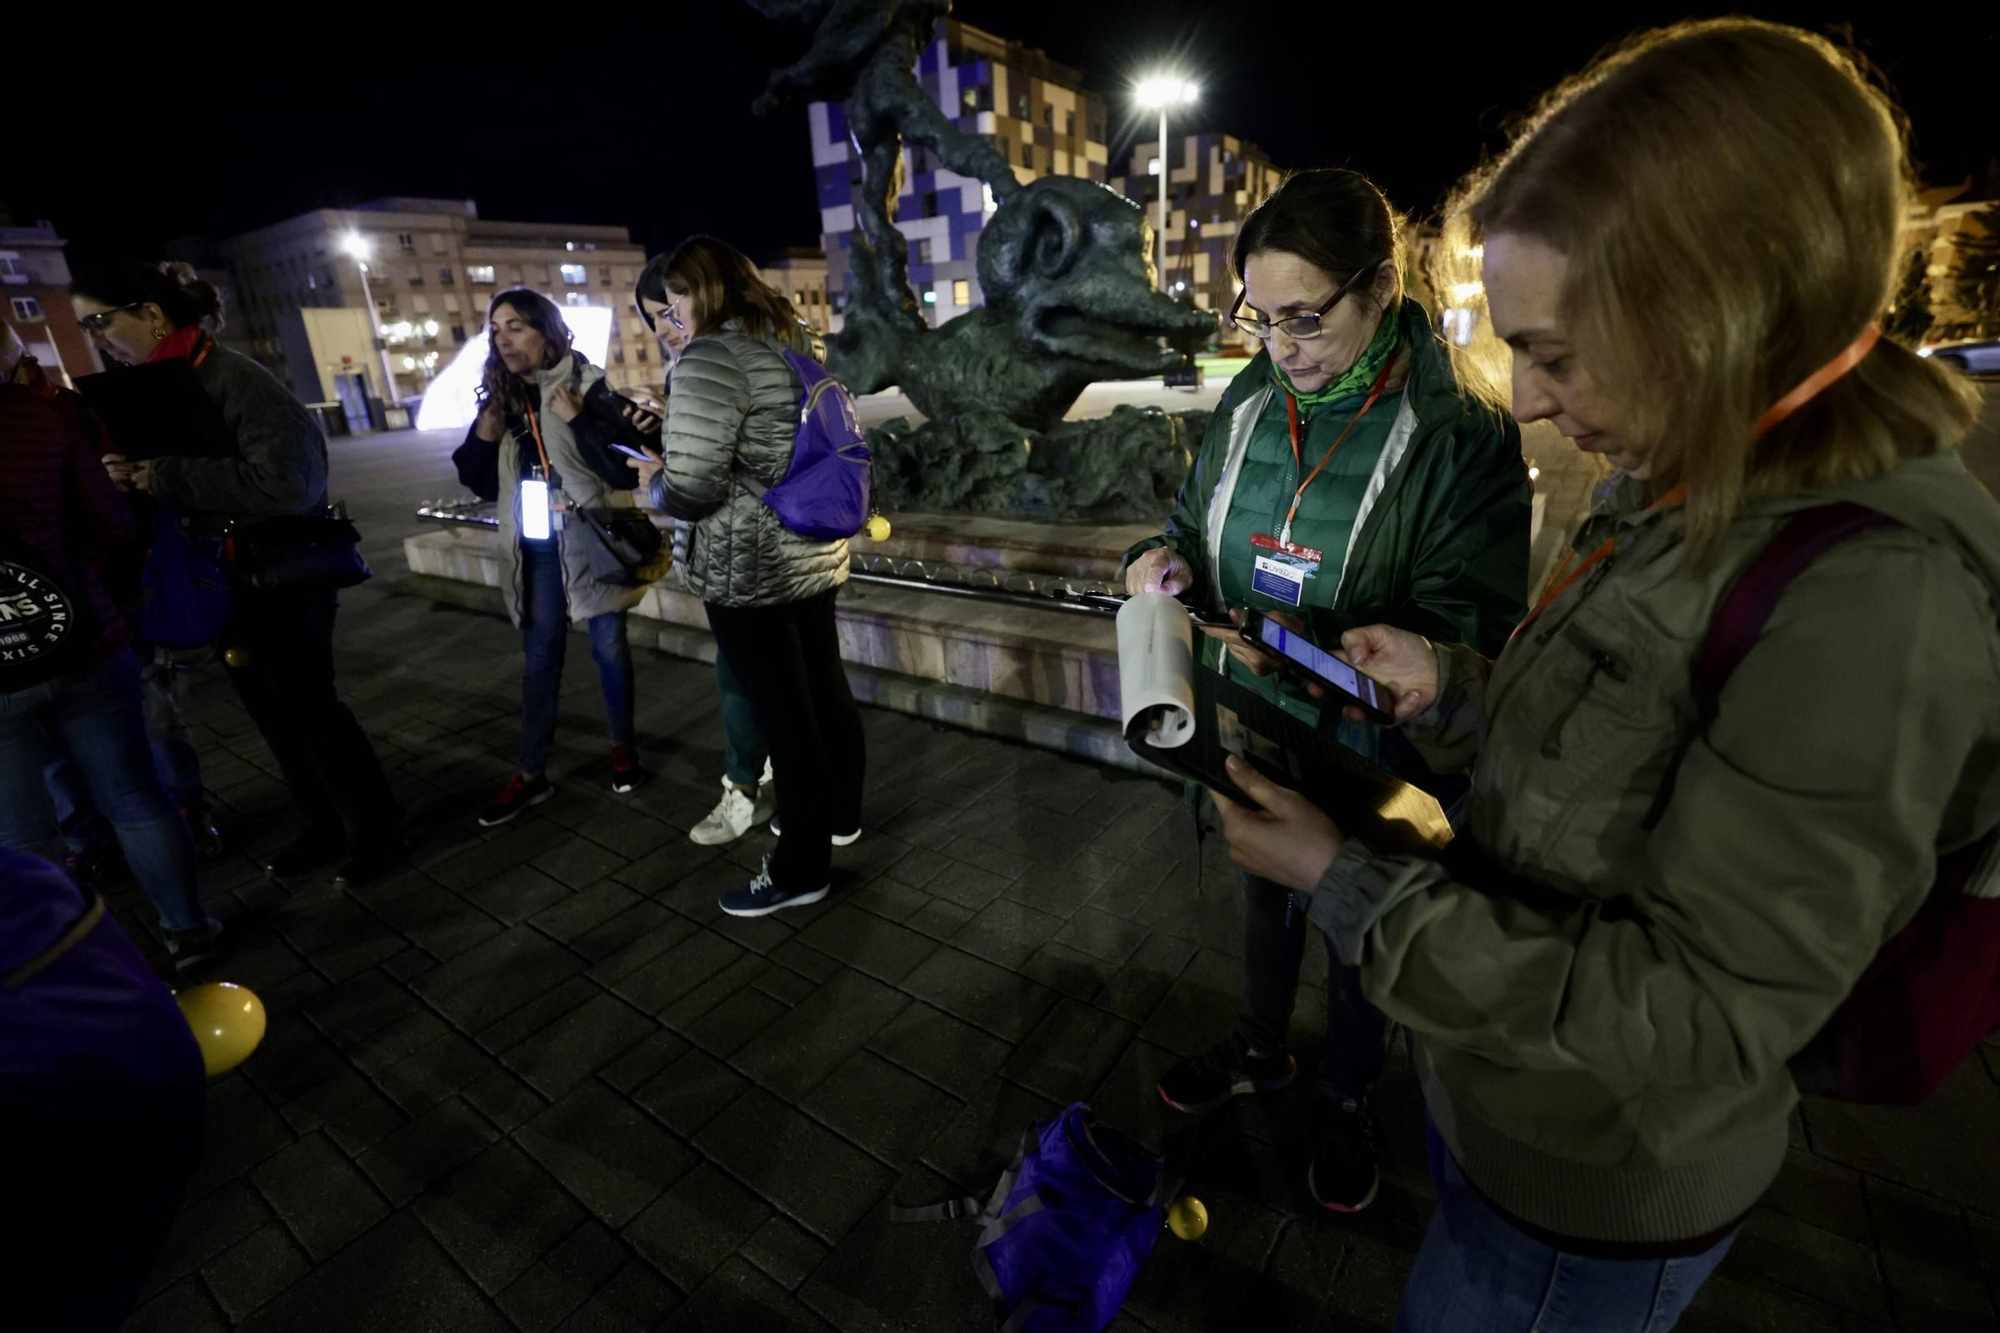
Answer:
(101, 321)
(1299, 328)
(668, 313)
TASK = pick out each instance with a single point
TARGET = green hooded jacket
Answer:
(1607, 1013)
(1422, 514)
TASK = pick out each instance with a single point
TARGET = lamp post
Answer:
(1162, 92)
(355, 244)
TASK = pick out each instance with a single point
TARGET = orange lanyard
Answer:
(1292, 416)
(201, 352)
(535, 427)
(1566, 573)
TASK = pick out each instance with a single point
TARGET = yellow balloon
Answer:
(236, 657)
(227, 1021)
(1187, 1217)
(877, 528)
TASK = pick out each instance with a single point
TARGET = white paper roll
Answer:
(1156, 670)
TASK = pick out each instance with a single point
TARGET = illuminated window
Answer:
(961, 292)
(575, 275)
(577, 298)
(479, 273)
(930, 296)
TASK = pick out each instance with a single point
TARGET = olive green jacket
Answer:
(1435, 527)
(1606, 1010)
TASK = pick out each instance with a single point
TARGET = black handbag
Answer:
(623, 547)
(300, 551)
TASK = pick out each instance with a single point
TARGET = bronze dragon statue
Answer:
(1067, 289)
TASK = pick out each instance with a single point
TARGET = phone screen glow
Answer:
(1321, 663)
(535, 509)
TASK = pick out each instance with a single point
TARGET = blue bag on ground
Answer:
(1068, 1227)
(183, 589)
(824, 494)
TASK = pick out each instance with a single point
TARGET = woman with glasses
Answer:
(747, 796)
(272, 464)
(1345, 479)
(732, 420)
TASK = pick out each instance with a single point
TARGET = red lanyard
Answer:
(1567, 573)
(1292, 415)
(536, 428)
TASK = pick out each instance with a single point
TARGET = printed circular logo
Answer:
(36, 617)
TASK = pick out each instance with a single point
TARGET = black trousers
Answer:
(286, 684)
(787, 659)
(1274, 942)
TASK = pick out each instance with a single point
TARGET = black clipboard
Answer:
(157, 409)
(1365, 799)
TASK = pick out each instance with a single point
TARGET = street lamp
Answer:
(1161, 92)
(357, 245)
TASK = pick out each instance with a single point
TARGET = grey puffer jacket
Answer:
(732, 414)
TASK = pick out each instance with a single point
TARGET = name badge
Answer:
(1281, 568)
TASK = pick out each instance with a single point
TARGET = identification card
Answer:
(1281, 568)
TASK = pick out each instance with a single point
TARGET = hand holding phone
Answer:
(1303, 658)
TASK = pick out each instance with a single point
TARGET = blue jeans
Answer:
(743, 752)
(96, 718)
(545, 638)
(1274, 942)
(167, 727)
(1477, 1273)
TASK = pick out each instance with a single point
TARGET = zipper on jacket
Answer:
(1602, 663)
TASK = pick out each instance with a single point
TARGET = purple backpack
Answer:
(824, 494)
(1068, 1227)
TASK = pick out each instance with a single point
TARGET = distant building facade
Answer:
(799, 275)
(34, 300)
(1213, 183)
(1036, 113)
(434, 265)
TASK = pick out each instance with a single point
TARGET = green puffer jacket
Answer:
(1422, 513)
(1606, 1014)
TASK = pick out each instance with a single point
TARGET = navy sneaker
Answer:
(1213, 1077)
(195, 949)
(1343, 1176)
(761, 896)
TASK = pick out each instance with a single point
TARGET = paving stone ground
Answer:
(536, 1081)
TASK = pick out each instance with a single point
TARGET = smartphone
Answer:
(630, 452)
(534, 493)
(1305, 658)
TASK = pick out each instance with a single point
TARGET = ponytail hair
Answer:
(183, 296)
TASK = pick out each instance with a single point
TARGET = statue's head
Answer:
(1067, 259)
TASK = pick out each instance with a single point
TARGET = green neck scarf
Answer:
(1359, 377)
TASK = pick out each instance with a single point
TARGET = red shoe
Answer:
(519, 793)
(207, 838)
(625, 771)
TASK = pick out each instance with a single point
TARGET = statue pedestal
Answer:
(1046, 677)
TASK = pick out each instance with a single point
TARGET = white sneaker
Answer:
(734, 815)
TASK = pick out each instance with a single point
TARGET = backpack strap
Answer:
(1746, 608)
(968, 1205)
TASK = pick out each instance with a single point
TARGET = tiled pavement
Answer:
(536, 1081)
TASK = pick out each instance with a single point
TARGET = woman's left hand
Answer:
(643, 419)
(565, 404)
(1254, 659)
(1283, 838)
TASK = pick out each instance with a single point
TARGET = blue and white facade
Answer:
(1034, 111)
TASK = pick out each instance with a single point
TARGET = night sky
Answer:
(129, 138)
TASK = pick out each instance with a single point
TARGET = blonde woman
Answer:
(1686, 249)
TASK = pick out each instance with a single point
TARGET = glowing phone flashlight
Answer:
(534, 509)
